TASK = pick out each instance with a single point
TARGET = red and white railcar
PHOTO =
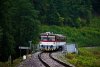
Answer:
(50, 41)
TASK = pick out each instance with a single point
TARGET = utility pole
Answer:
(30, 42)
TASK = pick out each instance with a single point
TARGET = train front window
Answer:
(51, 38)
(44, 38)
(47, 38)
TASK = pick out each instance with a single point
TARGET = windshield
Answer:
(47, 38)
(44, 38)
(51, 38)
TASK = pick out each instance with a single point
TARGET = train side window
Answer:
(62, 39)
(57, 38)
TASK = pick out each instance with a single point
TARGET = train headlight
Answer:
(51, 46)
(41, 45)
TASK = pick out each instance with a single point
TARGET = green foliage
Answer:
(96, 8)
(85, 36)
(86, 61)
(19, 24)
(8, 63)
(97, 63)
(86, 58)
(85, 52)
(95, 22)
(1, 33)
(70, 56)
(64, 12)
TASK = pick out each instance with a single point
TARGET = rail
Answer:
(44, 63)
(62, 63)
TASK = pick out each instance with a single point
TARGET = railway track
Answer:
(45, 64)
(49, 61)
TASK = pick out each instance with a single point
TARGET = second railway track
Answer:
(49, 61)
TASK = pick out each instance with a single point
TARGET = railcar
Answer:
(50, 41)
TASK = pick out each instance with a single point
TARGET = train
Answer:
(50, 41)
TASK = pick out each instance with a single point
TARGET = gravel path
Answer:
(32, 62)
(58, 55)
(51, 62)
(35, 62)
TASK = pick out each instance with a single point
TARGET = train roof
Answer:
(51, 34)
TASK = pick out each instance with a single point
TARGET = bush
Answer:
(86, 58)
(85, 52)
(97, 63)
(86, 61)
(70, 56)
(85, 36)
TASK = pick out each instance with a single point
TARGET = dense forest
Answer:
(23, 20)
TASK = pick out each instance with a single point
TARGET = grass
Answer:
(84, 36)
(87, 57)
(15, 62)
(8, 64)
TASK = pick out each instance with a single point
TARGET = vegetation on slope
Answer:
(18, 25)
(20, 22)
(85, 36)
(88, 57)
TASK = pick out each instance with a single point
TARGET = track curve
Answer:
(64, 64)
(45, 60)
(44, 63)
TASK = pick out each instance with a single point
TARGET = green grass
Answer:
(8, 64)
(87, 57)
(95, 22)
(85, 36)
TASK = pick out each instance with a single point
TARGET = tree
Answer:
(51, 11)
(19, 24)
(26, 24)
(96, 6)
(7, 41)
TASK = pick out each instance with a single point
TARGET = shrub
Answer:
(97, 63)
(85, 58)
(86, 36)
(70, 56)
(86, 61)
(85, 52)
